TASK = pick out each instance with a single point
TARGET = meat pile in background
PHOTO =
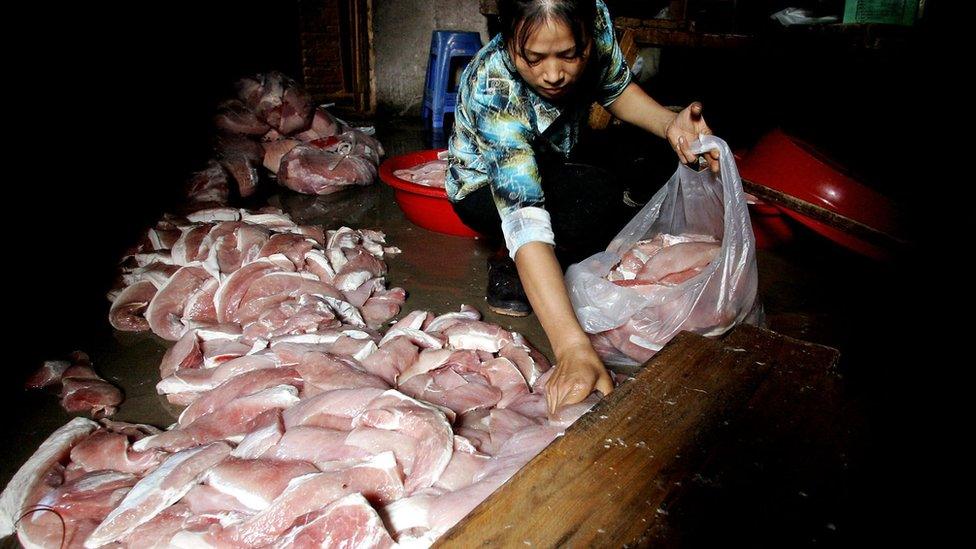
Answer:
(80, 388)
(652, 268)
(429, 174)
(273, 123)
(332, 438)
(253, 276)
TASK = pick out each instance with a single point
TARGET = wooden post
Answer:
(600, 117)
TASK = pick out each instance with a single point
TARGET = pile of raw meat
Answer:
(430, 174)
(272, 123)
(653, 268)
(253, 276)
(340, 437)
(303, 425)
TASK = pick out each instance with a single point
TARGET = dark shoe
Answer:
(505, 295)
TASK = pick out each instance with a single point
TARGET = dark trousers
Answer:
(585, 204)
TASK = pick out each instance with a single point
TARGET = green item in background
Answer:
(893, 12)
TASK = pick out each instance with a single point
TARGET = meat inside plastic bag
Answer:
(686, 261)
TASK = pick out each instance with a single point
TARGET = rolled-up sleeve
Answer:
(615, 75)
(513, 173)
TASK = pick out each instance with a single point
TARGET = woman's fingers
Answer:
(551, 391)
(567, 388)
(557, 388)
(714, 161)
(684, 153)
(604, 384)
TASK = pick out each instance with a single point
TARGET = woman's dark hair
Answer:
(519, 18)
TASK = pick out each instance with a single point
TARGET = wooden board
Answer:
(623, 473)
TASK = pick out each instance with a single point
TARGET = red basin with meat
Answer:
(427, 207)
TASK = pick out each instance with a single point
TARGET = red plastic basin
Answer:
(427, 207)
(788, 165)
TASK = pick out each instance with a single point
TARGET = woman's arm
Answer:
(578, 368)
(679, 129)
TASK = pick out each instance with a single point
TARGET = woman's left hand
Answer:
(684, 129)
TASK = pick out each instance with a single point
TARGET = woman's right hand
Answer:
(578, 368)
(578, 371)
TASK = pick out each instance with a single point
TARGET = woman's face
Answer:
(551, 64)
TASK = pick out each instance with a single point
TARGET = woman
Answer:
(521, 103)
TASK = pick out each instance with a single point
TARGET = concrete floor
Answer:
(811, 290)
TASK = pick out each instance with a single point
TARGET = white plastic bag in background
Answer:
(627, 327)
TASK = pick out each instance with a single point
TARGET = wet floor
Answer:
(811, 290)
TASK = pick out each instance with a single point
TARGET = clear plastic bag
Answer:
(628, 326)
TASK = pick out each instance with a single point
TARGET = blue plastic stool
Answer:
(444, 46)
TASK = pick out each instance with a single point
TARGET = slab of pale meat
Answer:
(332, 409)
(244, 384)
(234, 419)
(15, 497)
(347, 522)
(466, 462)
(431, 359)
(234, 243)
(391, 358)
(244, 172)
(311, 170)
(445, 387)
(322, 372)
(424, 423)
(502, 374)
(442, 322)
(90, 496)
(527, 358)
(157, 532)
(186, 354)
(203, 499)
(126, 313)
(266, 432)
(477, 335)
(383, 305)
(228, 297)
(199, 380)
(269, 290)
(157, 491)
(352, 142)
(431, 174)
(165, 311)
(296, 111)
(293, 246)
(255, 482)
(66, 515)
(82, 390)
(186, 249)
(677, 259)
(274, 151)
(376, 478)
(316, 445)
(324, 124)
(108, 450)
